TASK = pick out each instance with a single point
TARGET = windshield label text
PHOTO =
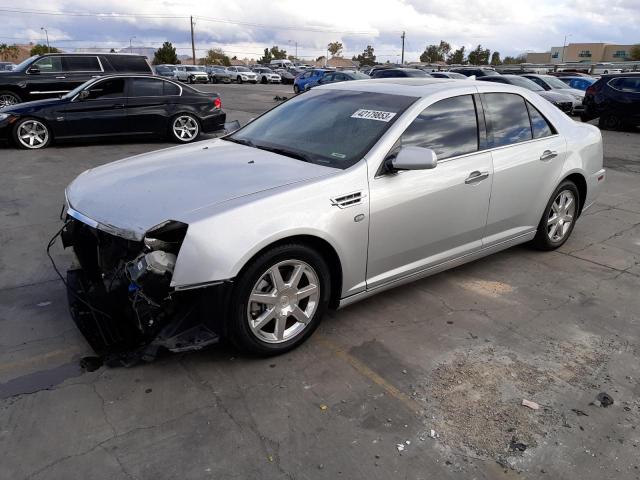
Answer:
(373, 115)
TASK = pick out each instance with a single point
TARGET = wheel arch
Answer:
(581, 183)
(324, 248)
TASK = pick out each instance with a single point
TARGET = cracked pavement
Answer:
(455, 353)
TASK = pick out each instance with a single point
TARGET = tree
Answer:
(39, 49)
(635, 52)
(278, 54)
(335, 48)
(495, 58)
(367, 57)
(266, 58)
(522, 58)
(479, 56)
(166, 54)
(457, 57)
(435, 53)
(9, 52)
(216, 56)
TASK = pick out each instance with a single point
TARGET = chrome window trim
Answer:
(156, 77)
(86, 71)
(624, 78)
(37, 92)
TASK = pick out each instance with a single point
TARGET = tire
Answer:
(548, 238)
(263, 80)
(181, 128)
(239, 80)
(280, 331)
(31, 134)
(296, 89)
(609, 121)
(190, 80)
(214, 79)
(8, 98)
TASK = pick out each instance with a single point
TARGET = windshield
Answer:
(243, 69)
(489, 73)
(78, 89)
(525, 83)
(335, 128)
(416, 73)
(194, 69)
(359, 76)
(554, 82)
(26, 62)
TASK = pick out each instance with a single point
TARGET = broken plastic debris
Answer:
(90, 364)
(433, 434)
(530, 404)
(44, 304)
(323, 406)
(517, 446)
(605, 399)
(579, 413)
(400, 447)
(408, 442)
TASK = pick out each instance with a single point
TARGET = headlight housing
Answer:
(4, 116)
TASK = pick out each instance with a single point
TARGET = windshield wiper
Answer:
(241, 141)
(286, 152)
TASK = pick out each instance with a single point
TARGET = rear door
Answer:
(80, 68)
(626, 97)
(102, 113)
(528, 155)
(147, 107)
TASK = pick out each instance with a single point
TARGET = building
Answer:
(583, 53)
(336, 62)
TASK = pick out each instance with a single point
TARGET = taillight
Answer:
(217, 103)
(590, 90)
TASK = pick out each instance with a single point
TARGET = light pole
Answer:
(564, 45)
(47, 35)
(131, 44)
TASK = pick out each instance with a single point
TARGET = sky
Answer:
(243, 28)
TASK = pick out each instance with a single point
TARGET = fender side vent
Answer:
(348, 200)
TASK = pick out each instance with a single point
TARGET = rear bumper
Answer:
(213, 122)
(595, 183)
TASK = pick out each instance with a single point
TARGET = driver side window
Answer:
(49, 65)
(449, 127)
(113, 88)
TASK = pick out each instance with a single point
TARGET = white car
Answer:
(191, 74)
(242, 74)
(333, 196)
(266, 75)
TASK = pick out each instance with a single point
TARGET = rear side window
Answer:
(145, 87)
(508, 119)
(171, 88)
(539, 125)
(448, 127)
(630, 84)
(129, 64)
(82, 64)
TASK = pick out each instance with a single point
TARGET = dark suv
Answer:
(53, 74)
(615, 98)
(477, 71)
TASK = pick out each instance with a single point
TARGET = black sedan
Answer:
(115, 105)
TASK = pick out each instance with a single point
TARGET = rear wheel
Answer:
(559, 217)
(279, 300)
(184, 128)
(609, 121)
(8, 98)
(31, 134)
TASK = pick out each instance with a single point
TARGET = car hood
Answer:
(130, 196)
(31, 106)
(570, 91)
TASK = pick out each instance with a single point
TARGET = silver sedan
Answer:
(335, 195)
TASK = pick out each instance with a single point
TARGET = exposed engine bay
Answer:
(121, 297)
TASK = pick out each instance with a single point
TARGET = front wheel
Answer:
(279, 300)
(559, 217)
(184, 128)
(296, 89)
(31, 134)
(609, 121)
(239, 80)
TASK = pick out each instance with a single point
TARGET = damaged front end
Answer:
(121, 297)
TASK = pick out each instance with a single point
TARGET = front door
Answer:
(422, 218)
(102, 112)
(46, 78)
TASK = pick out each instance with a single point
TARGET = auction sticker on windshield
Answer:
(373, 115)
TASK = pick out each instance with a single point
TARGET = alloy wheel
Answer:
(185, 128)
(283, 301)
(7, 99)
(32, 134)
(561, 215)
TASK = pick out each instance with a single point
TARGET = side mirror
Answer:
(84, 94)
(414, 158)
(34, 70)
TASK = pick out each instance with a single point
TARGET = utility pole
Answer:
(47, 34)
(402, 57)
(193, 43)
(131, 44)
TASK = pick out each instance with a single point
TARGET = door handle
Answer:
(475, 177)
(548, 155)
(118, 105)
(60, 78)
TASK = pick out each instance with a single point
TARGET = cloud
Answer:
(509, 26)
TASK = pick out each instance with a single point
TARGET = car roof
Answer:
(412, 87)
(614, 75)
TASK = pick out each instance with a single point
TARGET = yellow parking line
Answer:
(365, 371)
(27, 362)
